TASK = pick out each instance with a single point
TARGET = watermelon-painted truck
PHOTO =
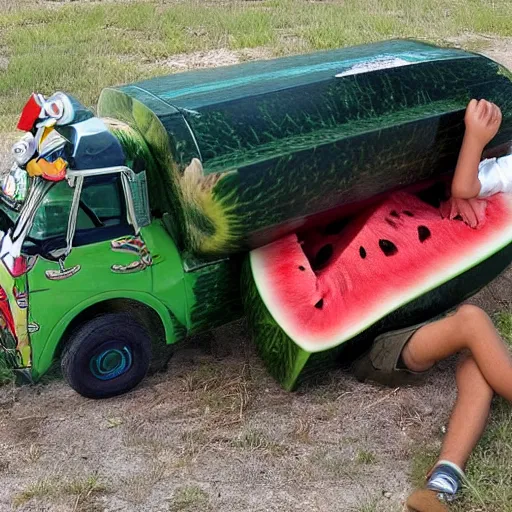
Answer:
(133, 226)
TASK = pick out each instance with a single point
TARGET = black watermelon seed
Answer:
(408, 213)
(392, 223)
(362, 252)
(319, 304)
(335, 227)
(323, 256)
(423, 233)
(302, 268)
(394, 213)
(387, 247)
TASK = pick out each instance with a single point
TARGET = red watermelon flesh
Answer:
(325, 289)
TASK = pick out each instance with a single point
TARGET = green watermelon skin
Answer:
(290, 365)
(280, 142)
(215, 288)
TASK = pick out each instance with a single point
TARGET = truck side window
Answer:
(51, 219)
(102, 211)
(101, 215)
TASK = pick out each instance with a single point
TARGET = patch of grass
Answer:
(189, 498)
(422, 460)
(371, 505)
(302, 430)
(489, 476)
(327, 464)
(53, 488)
(82, 48)
(221, 394)
(137, 488)
(34, 452)
(504, 325)
(194, 443)
(255, 440)
(365, 457)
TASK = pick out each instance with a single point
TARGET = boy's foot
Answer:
(425, 500)
(443, 484)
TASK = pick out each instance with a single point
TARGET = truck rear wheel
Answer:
(107, 356)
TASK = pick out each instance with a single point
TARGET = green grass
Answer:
(368, 506)
(489, 474)
(254, 440)
(504, 325)
(54, 489)
(365, 457)
(83, 48)
(190, 498)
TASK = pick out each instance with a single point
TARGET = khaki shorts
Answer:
(383, 362)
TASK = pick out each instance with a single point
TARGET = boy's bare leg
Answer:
(474, 394)
(469, 328)
(469, 415)
(467, 423)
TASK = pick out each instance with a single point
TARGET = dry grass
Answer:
(366, 457)
(220, 396)
(256, 441)
(137, 488)
(302, 431)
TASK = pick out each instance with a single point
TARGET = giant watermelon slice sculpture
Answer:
(398, 262)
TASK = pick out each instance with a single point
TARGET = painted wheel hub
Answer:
(111, 363)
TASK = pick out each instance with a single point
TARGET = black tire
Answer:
(86, 356)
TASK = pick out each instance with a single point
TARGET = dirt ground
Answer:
(213, 432)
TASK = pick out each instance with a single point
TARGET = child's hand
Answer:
(483, 120)
(471, 211)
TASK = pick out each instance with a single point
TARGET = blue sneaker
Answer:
(446, 479)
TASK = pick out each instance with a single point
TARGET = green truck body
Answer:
(215, 163)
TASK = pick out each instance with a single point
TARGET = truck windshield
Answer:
(101, 215)
(51, 217)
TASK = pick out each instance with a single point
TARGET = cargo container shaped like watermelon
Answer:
(249, 153)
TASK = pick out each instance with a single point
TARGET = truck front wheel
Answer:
(107, 356)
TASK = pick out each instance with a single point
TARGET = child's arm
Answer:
(483, 121)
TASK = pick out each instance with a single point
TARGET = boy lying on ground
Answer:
(486, 366)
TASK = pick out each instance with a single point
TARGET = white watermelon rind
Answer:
(496, 243)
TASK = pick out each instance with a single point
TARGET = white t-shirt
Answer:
(495, 175)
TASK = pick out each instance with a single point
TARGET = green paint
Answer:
(159, 287)
(214, 295)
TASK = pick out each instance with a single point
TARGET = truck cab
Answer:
(86, 273)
